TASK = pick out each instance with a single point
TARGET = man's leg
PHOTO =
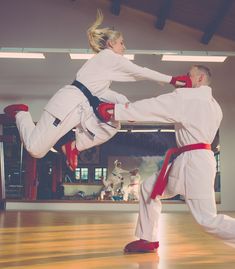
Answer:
(205, 213)
(149, 212)
(148, 220)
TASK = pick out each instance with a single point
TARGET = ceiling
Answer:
(209, 16)
(61, 23)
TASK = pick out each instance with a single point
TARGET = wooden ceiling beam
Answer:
(115, 7)
(163, 14)
(216, 21)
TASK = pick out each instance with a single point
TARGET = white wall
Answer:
(62, 24)
(71, 189)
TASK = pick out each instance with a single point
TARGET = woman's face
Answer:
(117, 46)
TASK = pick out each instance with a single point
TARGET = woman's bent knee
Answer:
(35, 151)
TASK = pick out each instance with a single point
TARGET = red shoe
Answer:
(71, 155)
(11, 110)
(141, 246)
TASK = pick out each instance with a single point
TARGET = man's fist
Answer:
(103, 110)
(182, 81)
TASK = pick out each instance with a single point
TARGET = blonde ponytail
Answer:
(98, 38)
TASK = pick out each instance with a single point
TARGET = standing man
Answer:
(196, 116)
(133, 187)
(116, 177)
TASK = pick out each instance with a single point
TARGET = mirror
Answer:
(111, 172)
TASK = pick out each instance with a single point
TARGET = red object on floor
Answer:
(71, 155)
(11, 110)
(141, 246)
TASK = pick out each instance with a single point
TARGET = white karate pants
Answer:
(203, 210)
(40, 138)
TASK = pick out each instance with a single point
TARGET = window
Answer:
(82, 174)
(217, 158)
(78, 173)
(100, 173)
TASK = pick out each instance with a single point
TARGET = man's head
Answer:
(117, 163)
(200, 75)
(134, 171)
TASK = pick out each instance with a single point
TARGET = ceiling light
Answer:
(132, 129)
(81, 56)
(167, 131)
(86, 56)
(193, 58)
(22, 55)
(138, 130)
(130, 56)
(122, 131)
(144, 130)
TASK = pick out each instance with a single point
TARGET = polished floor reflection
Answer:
(94, 240)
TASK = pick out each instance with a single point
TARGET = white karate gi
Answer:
(71, 107)
(133, 187)
(108, 187)
(116, 175)
(196, 116)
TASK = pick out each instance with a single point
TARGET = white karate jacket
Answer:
(196, 116)
(97, 74)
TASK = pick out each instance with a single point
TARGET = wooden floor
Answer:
(95, 240)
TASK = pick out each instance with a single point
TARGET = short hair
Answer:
(98, 38)
(205, 70)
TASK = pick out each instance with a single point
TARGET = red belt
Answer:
(162, 178)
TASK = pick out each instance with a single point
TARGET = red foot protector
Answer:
(11, 110)
(141, 246)
(72, 156)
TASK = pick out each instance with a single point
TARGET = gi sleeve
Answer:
(125, 70)
(114, 97)
(166, 108)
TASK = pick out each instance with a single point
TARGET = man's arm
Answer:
(106, 110)
(165, 109)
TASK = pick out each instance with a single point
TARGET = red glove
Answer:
(184, 78)
(103, 111)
